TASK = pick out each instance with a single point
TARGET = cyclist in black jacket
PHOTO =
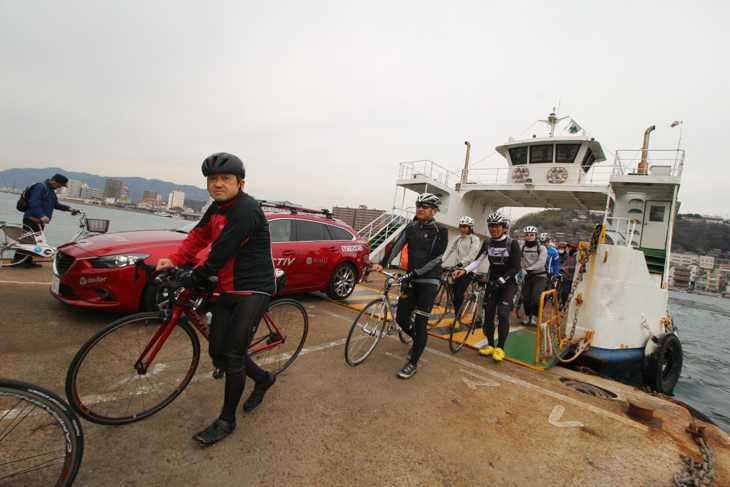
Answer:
(240, 255)
(504, 257)
(427, 241)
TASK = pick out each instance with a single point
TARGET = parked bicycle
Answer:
(517, 303)
(41, 440)
(17, 237)
(375, 322)
(138, 365)
(470, 315)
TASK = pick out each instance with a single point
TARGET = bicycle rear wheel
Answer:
(369, 327)
(41, 440)
(6, 252)
(519, 308)
(280, 335)
(108, 384)
(463, 324)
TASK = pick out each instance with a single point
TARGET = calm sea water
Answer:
(703, 321)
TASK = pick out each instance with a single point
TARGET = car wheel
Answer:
(342, 281)
(150, 301)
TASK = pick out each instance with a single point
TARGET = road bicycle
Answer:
(517, 302)
(15, 237)
(139, 364)
(470, 315)
(444, 301)
(41, 440)
(375, 322)
(554, 282)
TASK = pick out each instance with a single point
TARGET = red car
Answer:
(317, 252)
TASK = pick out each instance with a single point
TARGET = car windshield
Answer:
(187, 228)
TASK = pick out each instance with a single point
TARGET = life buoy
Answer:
(520, 174)
(662, 363)
(557, 175)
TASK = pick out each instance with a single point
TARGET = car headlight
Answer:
(114, 261)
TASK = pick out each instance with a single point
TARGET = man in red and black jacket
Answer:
(240, 256)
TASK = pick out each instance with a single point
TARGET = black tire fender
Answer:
(662, 363)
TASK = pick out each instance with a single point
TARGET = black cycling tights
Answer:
(234, 325)
(419, 297)
(502, 304)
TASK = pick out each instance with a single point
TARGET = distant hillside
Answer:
(21, 178)
(689, 236)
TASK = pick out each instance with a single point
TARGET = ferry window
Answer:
(339, 233)
(518, 155)
(656, 213)
(566, 153)
(308, 231)
(280, 230)
(541, 154)
(588, 160)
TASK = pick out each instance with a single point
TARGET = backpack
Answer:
(23, 203)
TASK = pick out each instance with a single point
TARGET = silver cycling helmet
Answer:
(428, 199)
(497, 218)
(530, 229)
(544, 237)
(466, 220)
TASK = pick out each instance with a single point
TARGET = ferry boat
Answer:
(617, 321)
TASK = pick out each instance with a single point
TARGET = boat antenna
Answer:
(674, 124)
(552, 121)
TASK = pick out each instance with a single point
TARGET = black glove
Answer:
(492, 287)
(188, 280)
(75, 212)
(407, 278)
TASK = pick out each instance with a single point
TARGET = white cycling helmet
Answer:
(530, 229)
(544, 237)
(428, 199)
(497, 218)
(466, 220)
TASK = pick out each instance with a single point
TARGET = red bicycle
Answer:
(136, 366)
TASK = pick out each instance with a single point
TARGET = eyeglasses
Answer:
(422, 205)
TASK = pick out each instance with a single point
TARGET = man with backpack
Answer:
(40, 200)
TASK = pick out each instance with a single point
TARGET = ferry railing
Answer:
(385, 225)
(628, 225)
(428, 169)
(661, 162)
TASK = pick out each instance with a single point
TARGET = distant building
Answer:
(684, 259)
(683, 276)
(113, 188)
(88, 193)
(176, 198)
(74, 188)
(707, 262)
(150, 195)
(358, 218)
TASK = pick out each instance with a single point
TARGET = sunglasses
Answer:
(530, 235)
(422, 205)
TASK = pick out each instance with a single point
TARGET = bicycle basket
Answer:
(96, 225)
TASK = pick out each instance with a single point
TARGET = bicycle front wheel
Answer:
(463, 324)
(280, 335)
(110, 382)
(369, 327)
(441, 306)
(519, 308)
(41, 440)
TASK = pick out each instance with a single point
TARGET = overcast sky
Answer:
(323, 99)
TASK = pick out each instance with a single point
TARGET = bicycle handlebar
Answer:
(168, 281)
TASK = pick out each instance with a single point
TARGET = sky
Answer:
(323, 99)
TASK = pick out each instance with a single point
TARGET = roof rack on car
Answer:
(295, 209)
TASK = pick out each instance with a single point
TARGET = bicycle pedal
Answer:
(218, 374)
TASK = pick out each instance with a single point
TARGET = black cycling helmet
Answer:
(224, 163)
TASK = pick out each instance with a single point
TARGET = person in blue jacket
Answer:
(553, 258)
(42, 202)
